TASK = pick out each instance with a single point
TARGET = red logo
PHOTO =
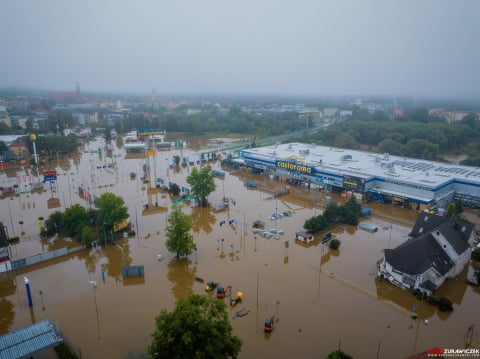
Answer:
(435, 351)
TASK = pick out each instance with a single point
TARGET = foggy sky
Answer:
(317, 47)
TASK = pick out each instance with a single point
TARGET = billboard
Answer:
(149, 132)
(121, 225)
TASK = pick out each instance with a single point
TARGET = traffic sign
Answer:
(49, 178)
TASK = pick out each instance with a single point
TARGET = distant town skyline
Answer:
(307, 48)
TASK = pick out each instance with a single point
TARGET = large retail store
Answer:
(408, 182)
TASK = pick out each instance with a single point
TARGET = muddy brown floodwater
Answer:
(321, 299)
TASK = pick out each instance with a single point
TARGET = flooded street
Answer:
(321, 299)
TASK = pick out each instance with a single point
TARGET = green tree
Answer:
(5, 129)
(471, 120)
(390, 146)
(58, 121)
(29, 125)
(198, 327)
(202, 183)
(419, 148)
(111, 209)
(315, 224)
(74, 219)
(455, 207)
(334, 244)
(108, 134)
(338, 354)
(445, 305)
(87, 236)
(346, 140)
(351, 211)
(179, 239)
(54, 223)
(333, 214)
(52, 145)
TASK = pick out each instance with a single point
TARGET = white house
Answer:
(303, 236)
(438, 248)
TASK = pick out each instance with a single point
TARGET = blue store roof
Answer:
(24, 342)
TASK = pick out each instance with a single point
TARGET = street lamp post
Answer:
(244, 223)
(94, 286)
(11, 219)
(380, 341)
(41, 298)
(136, 220)
(33, 138)
(104, 234)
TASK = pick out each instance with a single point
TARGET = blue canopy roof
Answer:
(24, 342)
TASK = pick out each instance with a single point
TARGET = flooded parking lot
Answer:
(321, 299)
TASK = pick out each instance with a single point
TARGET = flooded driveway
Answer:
(321, 299)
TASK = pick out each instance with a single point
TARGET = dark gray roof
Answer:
(457, 233)
(417, 255)
(24, 342)
(427, 222)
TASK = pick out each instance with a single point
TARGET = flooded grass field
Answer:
(321, 299)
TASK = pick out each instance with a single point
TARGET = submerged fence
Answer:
(42, 257)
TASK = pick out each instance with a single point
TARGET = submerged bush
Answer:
(334, 244)
(445, 305)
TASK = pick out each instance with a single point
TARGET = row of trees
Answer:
(414, 134)
(411, 136)
(51, 145)
(209, 120)
(87, 224)
(347, 213)
(56, 122)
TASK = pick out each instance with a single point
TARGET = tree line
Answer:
(416, 134)
(347, 213)
(84, 224)
(210, 120)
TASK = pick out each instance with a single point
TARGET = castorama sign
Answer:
(296, 167)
